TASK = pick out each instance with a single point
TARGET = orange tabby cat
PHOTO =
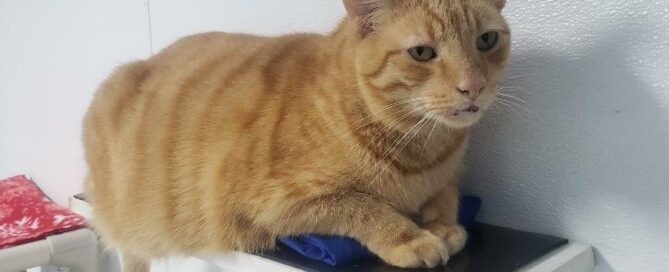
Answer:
(227, 141)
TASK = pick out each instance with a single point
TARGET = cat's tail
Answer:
(134, 263)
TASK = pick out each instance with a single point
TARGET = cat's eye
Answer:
(487, 41)
(422, 53)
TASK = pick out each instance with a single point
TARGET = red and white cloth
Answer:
(27, 215)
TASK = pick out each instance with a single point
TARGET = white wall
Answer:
(171, 19)
(53, 54)
(589, 158)
(586, 158)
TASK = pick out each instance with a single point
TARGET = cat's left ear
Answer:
(499, 4)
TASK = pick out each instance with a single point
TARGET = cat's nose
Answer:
(471, 87)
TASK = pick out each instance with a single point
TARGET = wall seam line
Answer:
(148, 14)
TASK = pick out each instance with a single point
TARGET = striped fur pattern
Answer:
(227, 141)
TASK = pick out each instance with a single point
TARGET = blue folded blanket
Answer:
(337, 250)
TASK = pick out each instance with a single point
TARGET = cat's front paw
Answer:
(421, 249)
(455, 236)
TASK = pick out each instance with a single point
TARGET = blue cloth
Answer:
(337, 250)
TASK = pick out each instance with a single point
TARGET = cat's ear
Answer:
(499, 4)
(366, 12)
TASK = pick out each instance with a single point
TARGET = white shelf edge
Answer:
(572, 257)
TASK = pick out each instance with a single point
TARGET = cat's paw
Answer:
(455, 236)
(422, 249)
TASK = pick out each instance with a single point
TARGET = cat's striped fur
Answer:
(226, 141)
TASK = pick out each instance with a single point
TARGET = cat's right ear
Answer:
(366, 12)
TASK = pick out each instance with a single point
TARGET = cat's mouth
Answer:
(471, 109)
(459, 117)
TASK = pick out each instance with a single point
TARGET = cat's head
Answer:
(433, 59)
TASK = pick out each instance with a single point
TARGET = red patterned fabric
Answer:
(27, 215)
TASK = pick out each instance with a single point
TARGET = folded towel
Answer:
(27, 215)
(337, 250)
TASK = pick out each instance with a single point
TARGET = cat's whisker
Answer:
(423, 108)
(402, 118)
(434, 126)
(516, 109)
(408, 140)
(508, 96)
(506, 106)
(377, 140)
(362, 122)
(403, 121)
(512, 89)
(380, 136)
(500, 102)
(511, 99)
(422, 124)
(513, 108)
(514, 103)
(508, 89)
(400, 121)
(512, 79)
(391, 106)
(424, 121)
(395, 144)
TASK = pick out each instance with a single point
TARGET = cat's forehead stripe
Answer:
(435, 19)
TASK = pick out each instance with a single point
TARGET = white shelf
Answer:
(573, 257)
